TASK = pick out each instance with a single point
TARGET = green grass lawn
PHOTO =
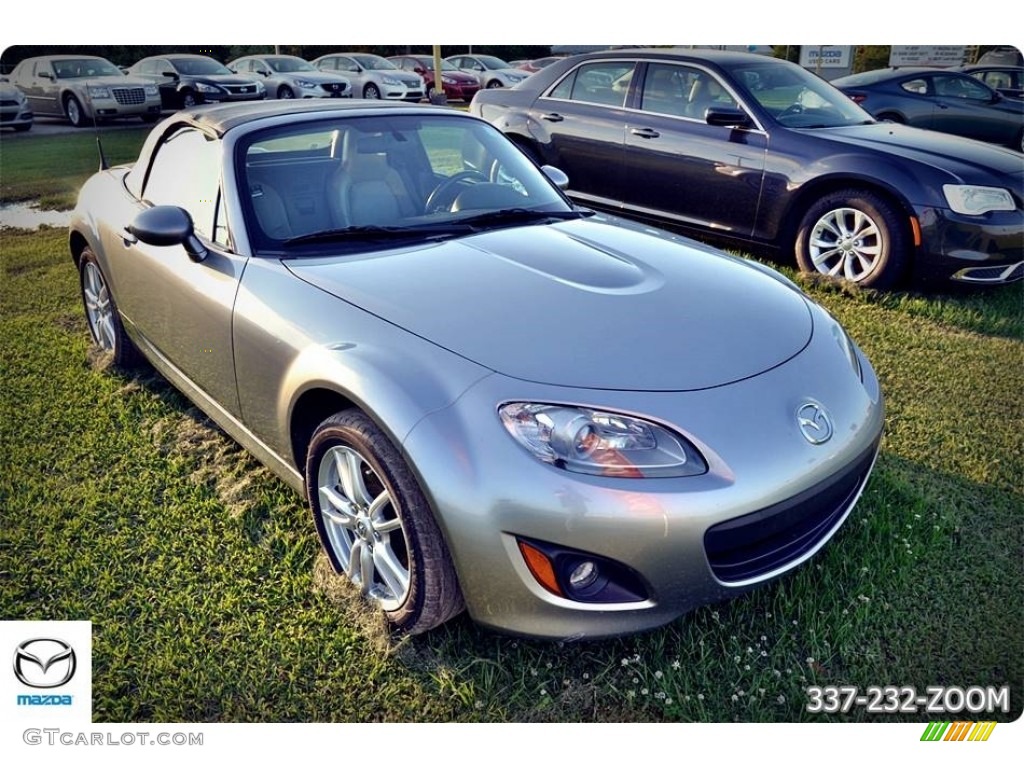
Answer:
(122, 504)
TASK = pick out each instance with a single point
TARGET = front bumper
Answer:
(971, 249)
(687, 540)
(15, 116)
(124, 102)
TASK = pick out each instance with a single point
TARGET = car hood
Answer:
(114, 81)
(581, 304)
(314, 77)
(222, 79)
(941, 150)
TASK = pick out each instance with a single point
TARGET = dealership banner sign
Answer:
(927, 55)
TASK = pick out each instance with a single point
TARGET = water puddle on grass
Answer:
(24, 216)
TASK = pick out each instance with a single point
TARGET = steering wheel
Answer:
(437, 200)
(795, 108)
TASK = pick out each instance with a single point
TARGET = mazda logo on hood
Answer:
(815, 423)
(44, 662)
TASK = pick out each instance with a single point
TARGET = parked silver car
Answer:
(82, 88)
(573, 425)
(374, 77)
(289, 77)
(490, 71)
(15, 111)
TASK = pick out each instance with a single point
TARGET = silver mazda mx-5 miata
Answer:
(570, 425)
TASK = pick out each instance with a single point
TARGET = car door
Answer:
(41, 89)
(581, 121)
(181, 307)
(682, 168)
(965, 106)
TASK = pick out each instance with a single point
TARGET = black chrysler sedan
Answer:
(186, 80)
(758, 150)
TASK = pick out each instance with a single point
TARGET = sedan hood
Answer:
(581, 304)
(225, 79)
(941, 150)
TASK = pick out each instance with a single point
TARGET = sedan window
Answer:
(960, 88)
(682, 91)
(604, 82)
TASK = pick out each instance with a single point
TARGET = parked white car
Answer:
(491, 71)
(14, 109)
(289, 77)
(374, 77)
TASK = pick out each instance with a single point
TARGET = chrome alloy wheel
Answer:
(98, 308)
(846, 242)
(363, 527)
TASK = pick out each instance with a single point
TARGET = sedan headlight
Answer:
(99, 92)
(388, 80)
(448, 80)
(206, 88)
(305, 84)
(600, 443)
(151, 90)
(972, 200)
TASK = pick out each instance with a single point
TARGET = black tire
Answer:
(102, 316)
(74, 112)
(382, 520)
(284, 92)
(891, 117)
(854, 234)
(495, 84)
(149, 119)
(23, 127)
(371, 91)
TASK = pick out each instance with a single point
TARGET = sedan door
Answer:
(40, 88)
(183, 308)
(967, 107)
(582, 123)
(680, 167)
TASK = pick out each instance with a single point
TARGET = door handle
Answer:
(552, 117)
(645, 133)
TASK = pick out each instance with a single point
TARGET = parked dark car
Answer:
(940, 100)
(457, 85)
(758, 150)
(186, 80)
(1007, 80)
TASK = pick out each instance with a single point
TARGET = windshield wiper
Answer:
(372, 232)
(519, 216)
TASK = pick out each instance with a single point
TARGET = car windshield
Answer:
(428, 63)
(290, 64)
(68, 69)
(493, 62)
(795, 97)
(374, 62)
(200, 66)
(343, 185)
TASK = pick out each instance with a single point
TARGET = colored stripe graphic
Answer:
(958, 731)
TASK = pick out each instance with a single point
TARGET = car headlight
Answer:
(99, 92)
(206, 88)
(151, 90)
(305, 84)
(973, 200)
(448, 80)
(600, 443)
(388, 80)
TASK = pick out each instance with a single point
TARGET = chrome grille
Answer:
(128, 96)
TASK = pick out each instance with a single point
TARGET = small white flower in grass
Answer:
(735, 697)
(658, 675)
(586, 675)
(479, 705)
(636, 681)
(760, 691)
(700, 697)
(686, 697)
(644, 691)
(533, 672)
(675, 664)
(659, 695)
(668, 701)
(864, 598)
(764, 638)
(736, 659)
(543, 692)
(810, 659)
(781, 699)
(625, 662)
(549, 665)
(746, 667)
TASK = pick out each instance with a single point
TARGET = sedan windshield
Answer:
(290, 64)
(795, 97)
(493, 62)
(199, 67)
(374, 62)
(355, 183)
(68, 69)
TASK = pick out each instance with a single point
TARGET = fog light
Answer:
(584, 574)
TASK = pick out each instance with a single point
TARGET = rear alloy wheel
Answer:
(101, 314)
(371, 91)
(376, 526)
(73, 109)
(284, 92)
(855, 235)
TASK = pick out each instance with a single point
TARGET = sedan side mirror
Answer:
(172, 75)
(47, 75)
(264, 72)
(728, 117)
(164, 225)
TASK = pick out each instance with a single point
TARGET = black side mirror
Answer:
(264, 72)
(172, 75)
(47, 75)
(728, 117)
(164, 225)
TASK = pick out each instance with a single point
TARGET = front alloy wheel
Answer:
(376, 525)
(854, 235)
(101, 314)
